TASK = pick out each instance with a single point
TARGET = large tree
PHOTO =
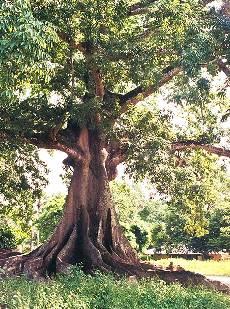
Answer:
(71, 72)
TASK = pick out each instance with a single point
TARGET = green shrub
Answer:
(7, 238)
(141, 234)
(50, 215)
(78, 290)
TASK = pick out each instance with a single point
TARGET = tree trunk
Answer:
(89, 233)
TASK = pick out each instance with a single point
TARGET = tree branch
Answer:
(43, 141)
(140, 93)
(117, 153)
(142, 7)
(190, 145)
(74, 153)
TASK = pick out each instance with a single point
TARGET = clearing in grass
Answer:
(208, 268)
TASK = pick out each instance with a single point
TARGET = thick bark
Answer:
(89, 233)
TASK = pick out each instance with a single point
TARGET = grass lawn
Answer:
(78, 290)
(218, 268)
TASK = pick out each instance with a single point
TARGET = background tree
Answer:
(68, 84)
(49, 216)
(197, 206)
(22, 177)
(7, 238)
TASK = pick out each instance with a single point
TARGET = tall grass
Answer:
(210, 267)
(78, 290)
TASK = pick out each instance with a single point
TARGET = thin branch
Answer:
(71, 42)
(72, 72)
(147, 33)
(226, 115)
(205, 2)
(138, 12)
(190, 145)
(99, 84)
(224, 67)
(87, 49)
(54, 131)
(141, 7)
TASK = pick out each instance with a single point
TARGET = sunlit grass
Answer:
(78, 290)
(210, 267)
